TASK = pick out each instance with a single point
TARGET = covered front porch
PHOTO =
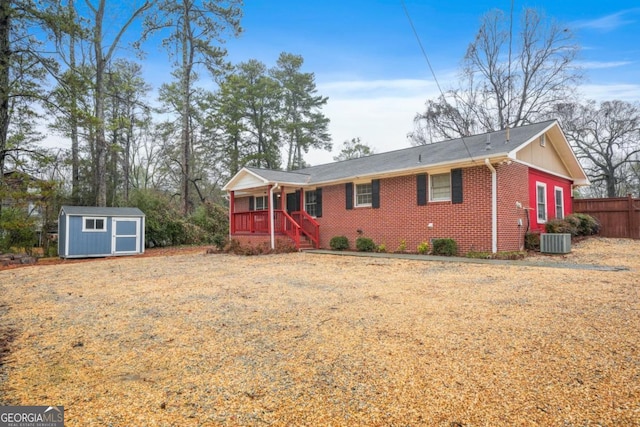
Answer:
(261, 214)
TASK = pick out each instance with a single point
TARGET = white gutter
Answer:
(271, 221)
(494, 206)
(230, 215)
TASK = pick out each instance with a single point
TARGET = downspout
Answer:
(231, 195)
(494, 206)
(271, 219)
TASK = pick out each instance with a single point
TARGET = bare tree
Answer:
(196, 30)
(504, 84)
(606, 138)
(102, 56)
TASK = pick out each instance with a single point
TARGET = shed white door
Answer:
(126, 235)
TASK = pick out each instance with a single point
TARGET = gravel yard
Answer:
(191, 339)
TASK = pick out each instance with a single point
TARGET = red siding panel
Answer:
(551, 181)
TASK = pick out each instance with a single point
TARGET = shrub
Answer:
(284, 246)
(403, 246)
(17, 230)
(219, 240)
(587, 225)
(560, 226)
(212, 219)
(423, 248)
(164, 225)
(365, 244)
(339, 243)
(382, 248)
(232, 246)
(532, 241)
(446, 247)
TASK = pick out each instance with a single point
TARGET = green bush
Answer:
(339, 243)
(219, 240)
(212, 219)
(17, 230)
(423, 248)
(365, 244)
(382, 248)
(163, 223)
(555, 226)
(532, 241)
(166, 226)
(575, 224)
(446, 247)
(587, 225)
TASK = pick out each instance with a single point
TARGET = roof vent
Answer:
(488, 143)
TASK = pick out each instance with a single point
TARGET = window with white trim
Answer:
(363, 194)
(94, 224)
(440, 187)
(262, 203)
(311, 202)
(541, 201)
(559, 195)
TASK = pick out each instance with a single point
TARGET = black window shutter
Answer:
(456, 186)
(252, 203)
(348, 191)
(318, 202)
(421, 183)
(375, 193)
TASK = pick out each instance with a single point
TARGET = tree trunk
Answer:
(101, 141)
(127, 155)
(185, 89)
(73, 123)
(5, 63)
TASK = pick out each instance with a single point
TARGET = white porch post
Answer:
(272, 188)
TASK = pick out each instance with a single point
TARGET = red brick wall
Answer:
(254, 239)
(512, 187)
(400, 218)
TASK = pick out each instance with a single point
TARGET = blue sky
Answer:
(367, 61)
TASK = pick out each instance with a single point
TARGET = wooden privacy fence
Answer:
(618, 217)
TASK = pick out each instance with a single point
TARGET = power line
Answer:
(426, 57)
(424, 52)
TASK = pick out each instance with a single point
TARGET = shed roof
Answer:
(99, 211)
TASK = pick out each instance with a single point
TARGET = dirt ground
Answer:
(190, 339)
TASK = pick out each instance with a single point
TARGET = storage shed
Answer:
(87, 231)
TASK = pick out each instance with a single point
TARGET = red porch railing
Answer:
(290, 225)
(308, 226)
(286, 225)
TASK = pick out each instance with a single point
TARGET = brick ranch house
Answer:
(484, 191)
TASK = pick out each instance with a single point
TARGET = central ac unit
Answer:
(555, 243)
